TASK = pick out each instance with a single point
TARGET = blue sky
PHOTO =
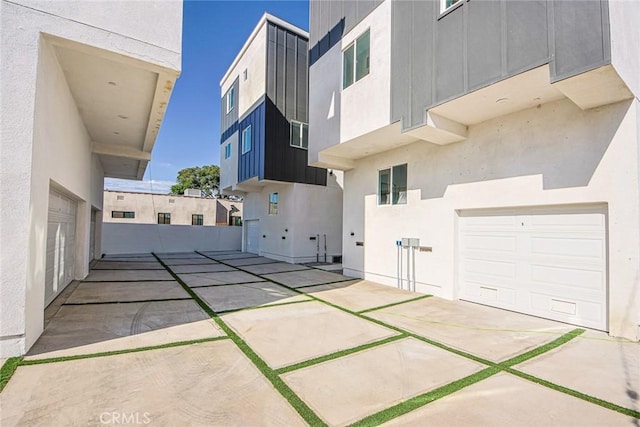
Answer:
(212, 34)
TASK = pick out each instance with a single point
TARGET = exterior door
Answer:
(61, 237)
(548, 262)
(252, 236)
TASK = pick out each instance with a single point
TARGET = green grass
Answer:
(393, 304)
(7, 370)
(425, 398)
(298, 404)
(117, 352)
(563, 339)
(338, 354)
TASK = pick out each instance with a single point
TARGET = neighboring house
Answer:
(292, 211)
(148, 208)
(85, 86)
(504, 135)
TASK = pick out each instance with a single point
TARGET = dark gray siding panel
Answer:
(578, 37)
(449, 58)
(228, 120)
(484, 42)
(287, 72)
(526, 33)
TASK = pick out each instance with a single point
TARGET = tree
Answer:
(205, 178)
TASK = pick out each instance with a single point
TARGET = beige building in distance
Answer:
(150, 208)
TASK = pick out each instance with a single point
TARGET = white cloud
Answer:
(148, 186)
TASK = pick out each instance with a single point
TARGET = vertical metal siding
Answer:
(251, 164)
(525, 21)
(484, 43)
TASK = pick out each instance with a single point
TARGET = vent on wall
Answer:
(172, 200)
(119, 197)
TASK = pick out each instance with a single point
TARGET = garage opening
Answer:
(548, 261)
(61, 243)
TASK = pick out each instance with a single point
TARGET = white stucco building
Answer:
(130, 207)
(292, 212)
(503, 135)
(84, 89)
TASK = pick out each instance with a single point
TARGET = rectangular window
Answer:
(299, 134)
(356, 60)
(123, 214)
(446, 4)
(164, 218)
(231, 99)
(246, 140)
(197, 219)
(227, 151)
(245, 74)
(273, 204)
(392, 185)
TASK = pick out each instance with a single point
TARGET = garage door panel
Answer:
(60, 255)
(588, 248)
(494, 242)
(549, 262)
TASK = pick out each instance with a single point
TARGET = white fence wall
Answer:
(143, 238)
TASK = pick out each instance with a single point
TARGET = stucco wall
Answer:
(145, 238)
(366, 104)
(303, 211)
(254, 60)
(45, 143)
(553, 154)
(146, 207)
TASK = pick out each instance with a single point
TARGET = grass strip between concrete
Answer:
(338, 354)
(393, 304)
(117, 352)
(7, 370)
(574, 393)
(493, 368)
(294, 400)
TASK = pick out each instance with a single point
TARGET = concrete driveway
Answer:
(228, 338)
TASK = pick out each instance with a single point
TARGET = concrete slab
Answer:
(93, 292)
(130, 258)
(345, 390)
(179, 255)
(233, 297)
(189, 261)
(329, 286)
(250, 261)
(299, 279)
(200, 268)
(168, 387)
(288, 334)
(594, 364)
(222, 278)
(505, 400)
(362, 294)
(126, 275)
(217, 253)
(236, 255)
(484, 331)
(127, 265)
(273, 267)
(84, 329)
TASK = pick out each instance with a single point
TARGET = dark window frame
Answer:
(123, 214)
(197, 219)
(164, 218)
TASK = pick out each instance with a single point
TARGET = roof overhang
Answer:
(121, 100)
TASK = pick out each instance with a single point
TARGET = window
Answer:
(392, 185)
(227, 151)
(446, 4)
(197, 219)
(245, 74)
(246, 140)
(299, 134)
(164, 218)
(273, 204)
(122, 214)
(231, 99)
(356, 60)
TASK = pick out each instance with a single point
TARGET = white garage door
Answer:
(548, 262)
(252, 236)
(61, 236)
